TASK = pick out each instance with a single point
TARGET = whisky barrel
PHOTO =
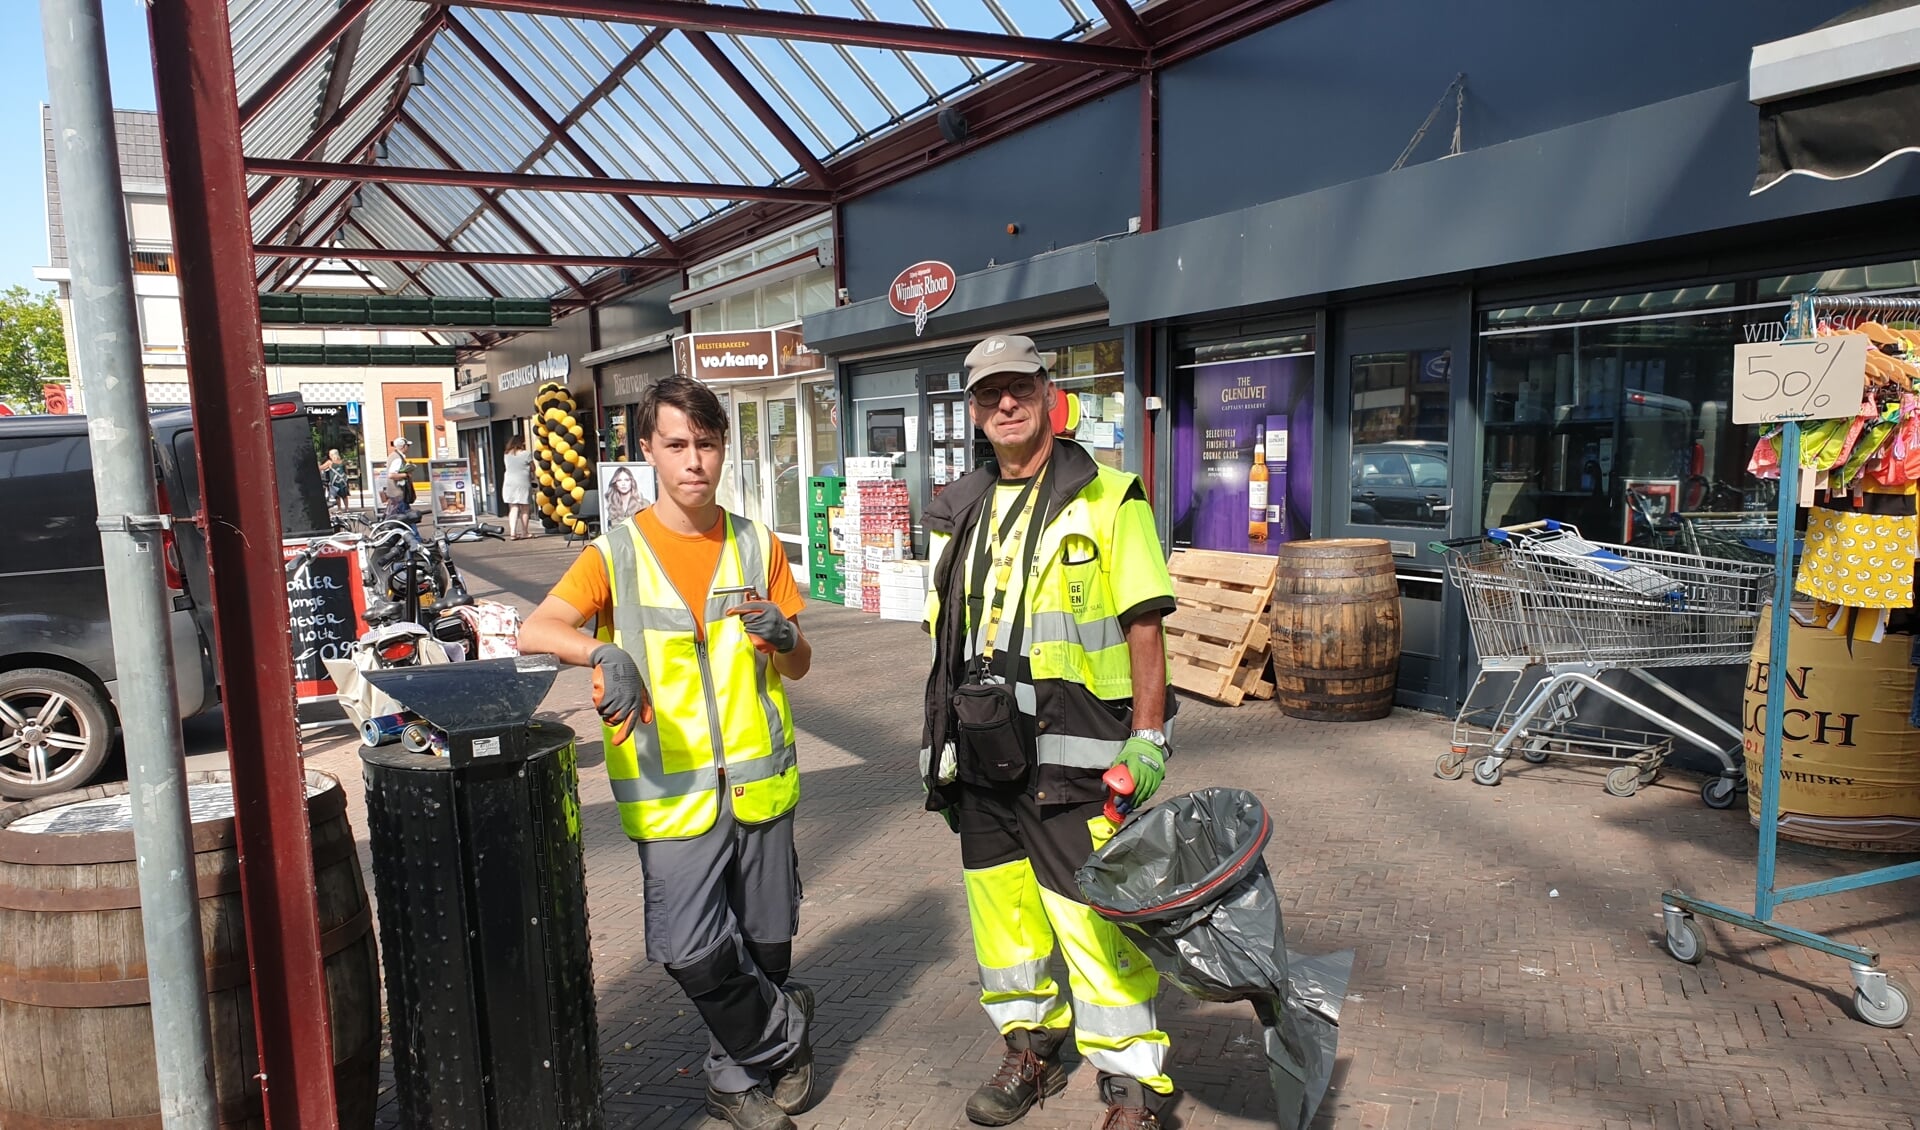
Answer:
(74, 1016)
(1336, 630)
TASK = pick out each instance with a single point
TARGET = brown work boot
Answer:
(793, 1083)
(748, 1110)
(1130, 1104)
(1029, 1072)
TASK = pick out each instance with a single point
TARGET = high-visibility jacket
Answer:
(718, 703)
(1077, 678)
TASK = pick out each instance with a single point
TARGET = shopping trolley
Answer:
(1736, 535)
(1543, 600)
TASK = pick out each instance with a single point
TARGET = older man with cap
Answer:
(1049, 669)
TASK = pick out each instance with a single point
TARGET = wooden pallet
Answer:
(1219, 628)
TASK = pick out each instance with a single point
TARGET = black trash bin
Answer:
(1187, 880)
(479, 876)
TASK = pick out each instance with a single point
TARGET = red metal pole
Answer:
(207, 192)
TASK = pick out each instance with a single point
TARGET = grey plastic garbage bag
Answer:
(1187, 880)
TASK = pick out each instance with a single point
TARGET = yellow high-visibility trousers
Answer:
(1018, 923)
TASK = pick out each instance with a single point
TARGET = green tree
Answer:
(33, 346)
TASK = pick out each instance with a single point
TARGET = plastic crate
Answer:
(828, 587)
(825, 491)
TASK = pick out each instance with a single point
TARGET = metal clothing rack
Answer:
(1877, 998)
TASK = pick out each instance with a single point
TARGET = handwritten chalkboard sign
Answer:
(326, 610)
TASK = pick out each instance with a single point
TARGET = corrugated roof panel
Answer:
(670, 117)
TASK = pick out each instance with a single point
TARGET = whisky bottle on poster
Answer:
(1257, 487)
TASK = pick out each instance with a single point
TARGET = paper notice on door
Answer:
(913, 433)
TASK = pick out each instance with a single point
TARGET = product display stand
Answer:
(1877, 998)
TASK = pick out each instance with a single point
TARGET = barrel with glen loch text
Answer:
(1850, 762)
(1336, 630)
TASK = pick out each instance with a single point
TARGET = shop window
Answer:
(823, 415)
(1401, 406)
(160, 329)
(1579, 416)
(777, 305)
(1095, 373)
(1238, 402)
(816, 292)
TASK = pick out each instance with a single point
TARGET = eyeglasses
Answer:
(989, 396)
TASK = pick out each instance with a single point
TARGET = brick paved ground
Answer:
(1480, 997)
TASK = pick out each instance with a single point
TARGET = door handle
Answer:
(1441, 507)
(1369, 494)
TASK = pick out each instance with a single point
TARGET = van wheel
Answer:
(55, 730)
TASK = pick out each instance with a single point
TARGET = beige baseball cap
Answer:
(1004, 353)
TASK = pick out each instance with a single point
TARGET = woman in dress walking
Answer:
(516, 487)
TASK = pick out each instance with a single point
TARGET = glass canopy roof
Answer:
(738, 104)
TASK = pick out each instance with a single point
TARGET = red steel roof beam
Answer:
(300, 60)
(413, 217)
(412, 275)
(199, 118)
(1122, 18)
(415, 43)
(535, 182)
(762, 109)
(555, 131)
(809, 27)
(510, 258)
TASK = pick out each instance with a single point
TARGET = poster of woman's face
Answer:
(629, 488)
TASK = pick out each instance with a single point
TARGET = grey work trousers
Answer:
(721, 912)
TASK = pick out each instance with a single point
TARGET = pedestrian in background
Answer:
(688, 667)
(516, 487)
(1049, 669)
(333, 474)
(399, 489)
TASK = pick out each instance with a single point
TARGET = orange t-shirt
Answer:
(690, 561)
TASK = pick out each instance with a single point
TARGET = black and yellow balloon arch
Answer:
(562, 460)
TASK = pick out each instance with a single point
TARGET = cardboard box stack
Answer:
(879, 513)
(825, 550)
(903, 589)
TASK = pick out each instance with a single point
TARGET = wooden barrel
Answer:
(1336, 630)
(76, 1035)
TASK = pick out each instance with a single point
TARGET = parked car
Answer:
(57, 670)
(1400, 483)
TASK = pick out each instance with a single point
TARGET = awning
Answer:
(1842, 99)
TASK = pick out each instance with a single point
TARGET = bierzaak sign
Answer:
(920, 290)
(744, 355)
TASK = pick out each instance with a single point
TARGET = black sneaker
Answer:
(1029, 1073)
(793, 1083)
(748, 1110)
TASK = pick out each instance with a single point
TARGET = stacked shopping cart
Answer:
(1551, 612)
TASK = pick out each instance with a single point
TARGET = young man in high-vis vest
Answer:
(1049, 669)
(688, 659)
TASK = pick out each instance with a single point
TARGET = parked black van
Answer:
(57, 672)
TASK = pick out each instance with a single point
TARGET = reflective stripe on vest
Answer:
(724, 706)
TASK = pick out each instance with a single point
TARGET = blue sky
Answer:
(23, 87)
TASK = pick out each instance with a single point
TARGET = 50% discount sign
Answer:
(1818, 378)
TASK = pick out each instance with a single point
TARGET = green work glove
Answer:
(1148, 764)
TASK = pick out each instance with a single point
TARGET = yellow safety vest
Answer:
(1073, 639)
(717, 703)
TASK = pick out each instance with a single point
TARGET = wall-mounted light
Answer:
(416, 75)
(359, 199)
(380, 151)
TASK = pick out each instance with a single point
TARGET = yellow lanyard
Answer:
(1002, 545)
